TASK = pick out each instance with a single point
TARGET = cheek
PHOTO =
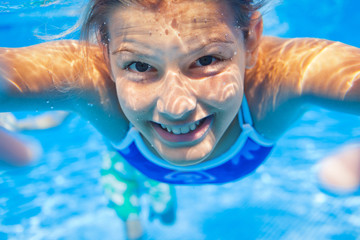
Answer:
(132, 96)
(135, 96)
(222, 89)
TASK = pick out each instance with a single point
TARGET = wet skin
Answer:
(179, 77)
(176, 66)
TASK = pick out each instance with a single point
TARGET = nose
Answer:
(177, 100)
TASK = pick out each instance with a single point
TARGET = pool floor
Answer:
(60, 196)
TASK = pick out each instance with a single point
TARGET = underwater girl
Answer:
(188, 92)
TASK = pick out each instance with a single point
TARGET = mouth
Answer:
(184, 133)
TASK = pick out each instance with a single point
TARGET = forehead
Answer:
(185, 18)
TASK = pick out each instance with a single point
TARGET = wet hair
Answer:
(95, 21)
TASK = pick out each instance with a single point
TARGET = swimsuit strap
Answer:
(244, 113)
(247, 125)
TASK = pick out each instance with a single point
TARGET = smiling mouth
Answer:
(184, 133)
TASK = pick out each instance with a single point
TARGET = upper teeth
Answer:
(181, 129)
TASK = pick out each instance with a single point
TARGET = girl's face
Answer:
(179, 75)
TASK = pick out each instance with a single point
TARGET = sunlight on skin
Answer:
(56, 76)
(291, 74)
(349, 70)
(282, 76)
(39, 62)
(176, 92)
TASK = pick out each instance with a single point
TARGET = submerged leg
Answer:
(122, 187)
(163, 202)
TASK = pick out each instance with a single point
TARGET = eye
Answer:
(205, 61)
(139, 67)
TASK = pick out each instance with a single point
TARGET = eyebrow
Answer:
(209, 41)
(133, 49)
(198, 47)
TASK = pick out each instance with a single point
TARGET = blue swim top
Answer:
(247, 153)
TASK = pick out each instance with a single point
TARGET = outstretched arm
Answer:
(291, 74)
(61, 75)
(332, 78)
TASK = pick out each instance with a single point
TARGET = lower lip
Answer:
(191, 136)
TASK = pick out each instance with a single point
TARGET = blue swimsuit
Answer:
(247, 153)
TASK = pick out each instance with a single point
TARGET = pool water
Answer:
(60, 196)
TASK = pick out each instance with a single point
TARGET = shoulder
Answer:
(273, 85)
(291, 74)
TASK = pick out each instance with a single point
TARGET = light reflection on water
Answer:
(60, 197)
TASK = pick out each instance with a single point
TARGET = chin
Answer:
(187, 156)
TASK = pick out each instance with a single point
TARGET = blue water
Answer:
(60, 197)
